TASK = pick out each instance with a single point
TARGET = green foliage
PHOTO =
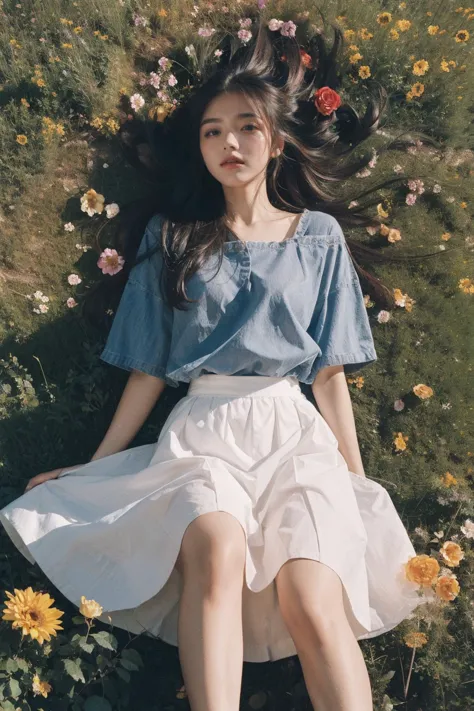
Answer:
(68, 102)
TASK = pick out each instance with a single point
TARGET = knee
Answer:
(212, 554)
(319, 618)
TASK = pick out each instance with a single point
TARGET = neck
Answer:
(248, 204)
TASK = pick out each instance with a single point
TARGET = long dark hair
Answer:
(318, 156)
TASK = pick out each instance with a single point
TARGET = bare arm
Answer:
(334, 402)
(138, 399)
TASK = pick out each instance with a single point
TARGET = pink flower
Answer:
(71, 303)
(275, 25)
(398, 405)
(244, 35)
(110, 262)
(74, 279)
(155, 80)
(172, 81)
(416, 186)
(206, 31)
(137, 101)
(288, 29)
(410, 199)
(261, 4)
(164, 63)
(246, 23)
(383, 316)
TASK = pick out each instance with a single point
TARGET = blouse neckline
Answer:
(296, 234)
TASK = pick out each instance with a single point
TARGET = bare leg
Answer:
(334, 669)
(210, 640)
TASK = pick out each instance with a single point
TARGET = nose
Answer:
(230, 140)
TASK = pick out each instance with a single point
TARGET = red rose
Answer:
(326, 100)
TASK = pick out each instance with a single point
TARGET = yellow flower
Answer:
(422, 569)
(459, 9)
(402, 5)
(417, 89)
(21, 139)
(384, 18)
(90, 608)
(433, 29)
(353, 48)
(423, 391)
(40, 82)
(452, 553)
(429, 14)
(381, 212)
(40, 687)
(66, 45)
(394, 35)
(341, 19)
(447, 587)
(420, 67)
(462, 36)
(448, 480)
(463, 205)
(444, 66)
(466, 285)
(364, 34)
(403, 25)
(349, 35)
(32, 613)
(400, 442)
(77, 30)
(353, 58)
(364, 72)
(415, 639)
(162, 12)
(25, 103)
(409, 96)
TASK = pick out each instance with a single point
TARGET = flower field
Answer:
(71, 75)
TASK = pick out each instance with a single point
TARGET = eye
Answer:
(209, 133)
(250, 125)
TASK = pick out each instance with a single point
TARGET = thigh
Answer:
(212, 537)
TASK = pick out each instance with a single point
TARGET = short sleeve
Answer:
(340, 324)
(140, 334)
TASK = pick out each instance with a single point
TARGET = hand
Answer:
(44, 476)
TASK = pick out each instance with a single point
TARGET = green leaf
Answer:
(105, 639)
(14, 688)
(123, 674)
(127, 664)
(11, 666)
(133, 656)
(7, 706)
(79, 620)
(86, 646)
(73, 668)
(23, 665)
(97, 703)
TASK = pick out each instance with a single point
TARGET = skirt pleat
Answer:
(255, 448)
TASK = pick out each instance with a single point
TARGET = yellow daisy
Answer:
(417, 89)
(394, 35)
(384, 18)
(32, 612)
(364, 34)
(420, 67)
(403, 25)
(433, 29)
(21, 139)
(364, 72)
(462, 36)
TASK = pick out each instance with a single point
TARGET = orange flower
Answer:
(423, 391)
(400, 442)
(384, 18)
(447, 587)
(21, 139)
(432, 29)
(448, 479)
(417, 88)
(452, 553)
(415, 639)
(420, 67)
(403, 25)
(446, 236)
(462, 36)
(422, 569)
(306, 59)
(364, 34)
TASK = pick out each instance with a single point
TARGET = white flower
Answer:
(353, 203)
(398, 405)
(206, 31)
(218, 53)
(274, 25)
(38, 294)
(446, 406)
(137, 101)
(112, 209)
(442, 247)
(364, 173)
(436, 188)
(468, 528)
(105, 165)
(69, 227)
(371, 230)
(397, 168)
(74, 279)
(451, 198)
(45, 298)
(383, 316)
(172, 81)
(374, 159)
(71, 302)
(190, 50)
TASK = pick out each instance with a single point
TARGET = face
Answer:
(231, 131)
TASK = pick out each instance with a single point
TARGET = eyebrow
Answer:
(247, 114)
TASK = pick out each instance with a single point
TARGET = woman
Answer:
(249, 530)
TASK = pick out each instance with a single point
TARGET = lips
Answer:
(232, 161)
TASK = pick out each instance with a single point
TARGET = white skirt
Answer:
(254, 447)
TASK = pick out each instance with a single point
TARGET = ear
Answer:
(278, 146)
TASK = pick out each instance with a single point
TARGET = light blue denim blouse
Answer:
(274, 308)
